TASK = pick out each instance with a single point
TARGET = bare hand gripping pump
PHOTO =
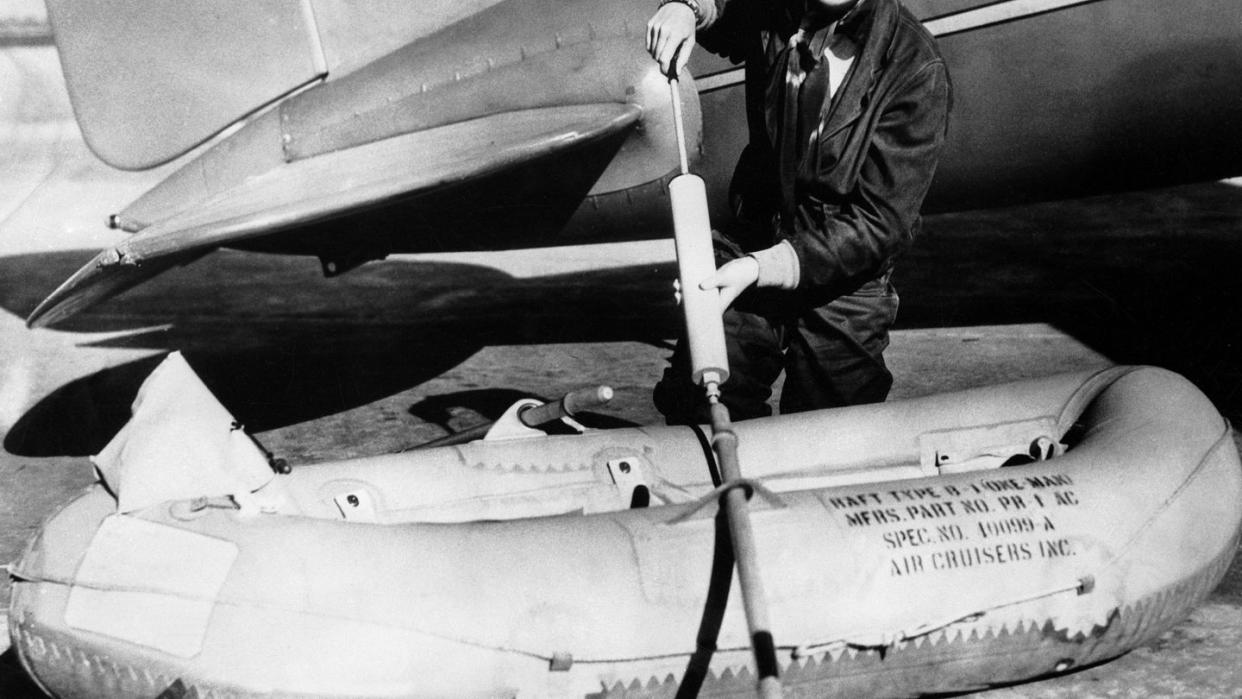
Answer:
(709, 367)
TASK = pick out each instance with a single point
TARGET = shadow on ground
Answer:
(444, 410)
(1142, 278)
(1146, 278)
(280, 345)
(14, 682)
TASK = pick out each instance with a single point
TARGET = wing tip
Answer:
(116, 269)
(60, 304)
(38, 317)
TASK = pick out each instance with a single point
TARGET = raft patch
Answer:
(149, 584)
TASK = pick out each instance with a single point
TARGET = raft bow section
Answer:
(933, 545)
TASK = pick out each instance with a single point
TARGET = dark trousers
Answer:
(832, 355)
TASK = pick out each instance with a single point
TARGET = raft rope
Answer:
(556, 660)
(889, 640)
(562, 661)
(748, 485)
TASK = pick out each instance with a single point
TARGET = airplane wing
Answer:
(306, 191)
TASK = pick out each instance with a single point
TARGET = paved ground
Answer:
(395, 353)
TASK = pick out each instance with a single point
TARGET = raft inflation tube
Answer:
(932, 545)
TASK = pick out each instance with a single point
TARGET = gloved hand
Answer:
(670, 35)
(732, 279)
(773, 267)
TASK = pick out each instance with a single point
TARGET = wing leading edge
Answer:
(335, 184)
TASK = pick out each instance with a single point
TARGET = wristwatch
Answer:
(694, 7)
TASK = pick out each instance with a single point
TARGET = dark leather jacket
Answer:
(855, 201)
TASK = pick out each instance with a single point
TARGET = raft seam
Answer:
(28, 578)
(1088, 391)
(1143, 614)
(1209, 455)
(25, 577)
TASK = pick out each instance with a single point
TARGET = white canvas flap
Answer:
(180, 444)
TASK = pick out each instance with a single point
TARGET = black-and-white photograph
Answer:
(620, 348)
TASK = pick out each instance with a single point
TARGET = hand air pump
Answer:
(709, 366)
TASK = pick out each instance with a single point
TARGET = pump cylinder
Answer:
(696, 263)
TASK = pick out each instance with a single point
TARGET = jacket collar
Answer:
(872, 24)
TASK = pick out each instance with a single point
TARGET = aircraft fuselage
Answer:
(1052, 99)
(413, 144)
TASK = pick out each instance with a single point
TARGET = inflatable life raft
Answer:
(938, 544)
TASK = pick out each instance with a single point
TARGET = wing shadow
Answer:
(286, 346)
(1143, 278)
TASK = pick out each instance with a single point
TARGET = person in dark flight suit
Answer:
(847, 106)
